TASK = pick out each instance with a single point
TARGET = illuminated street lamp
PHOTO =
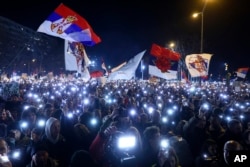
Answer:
(202, 22)
(172, 45)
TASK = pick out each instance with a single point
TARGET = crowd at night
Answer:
(70, 95)
(67, 122)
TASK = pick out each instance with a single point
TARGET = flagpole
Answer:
(142, 69)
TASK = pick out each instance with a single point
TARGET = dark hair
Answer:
(47, 106)
(39, 147)
(149, 133)
(217, 111)
(233, 122)
(30, 109)
(206, 145)
(82, 158)
(84, 118)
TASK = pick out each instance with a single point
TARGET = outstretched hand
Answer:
(110, 130)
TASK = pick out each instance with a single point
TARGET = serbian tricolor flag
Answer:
(67, 24)
(164, 57)
(242, 72)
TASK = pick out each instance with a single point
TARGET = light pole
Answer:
(172, 47)
(202, 22)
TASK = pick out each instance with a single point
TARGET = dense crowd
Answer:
(71, 123)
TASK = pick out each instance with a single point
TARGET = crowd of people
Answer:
(137, 123)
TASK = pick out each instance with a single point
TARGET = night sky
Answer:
(129, 27)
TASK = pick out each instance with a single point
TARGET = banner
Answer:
(72, 56)
(67, 24)
(85, 75)
(127, 71)
(198, 64)
(170, 75)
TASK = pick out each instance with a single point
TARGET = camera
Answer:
(119, 150)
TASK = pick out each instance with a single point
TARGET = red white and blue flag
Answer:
(67, 24)
(242, 72)
(198, 64)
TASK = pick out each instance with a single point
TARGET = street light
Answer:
(172, 45)
(202, 22)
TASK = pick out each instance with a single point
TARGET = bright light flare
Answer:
(126, 142)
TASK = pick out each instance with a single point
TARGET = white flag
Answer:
(198, 64)
(69, 58)
(87, 62)
(118, 67)
(75, 53)
(127, 71)
(85, 75)
(170, 75)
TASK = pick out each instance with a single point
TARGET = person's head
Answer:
(179, 129)
(151, 137)
(40, 154)
(52, 129)
(14, 133)
(3, 115)
(230, 146)
(144, 118)
(235, 126)
(168, 158)
(215, 120)
(156, 117)
(29, 115)
(48, 109)
(36, 134)
(80, 158)
(209, 148)
(172, 158)
(85, 118)
(135, 132)
(123, 119)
